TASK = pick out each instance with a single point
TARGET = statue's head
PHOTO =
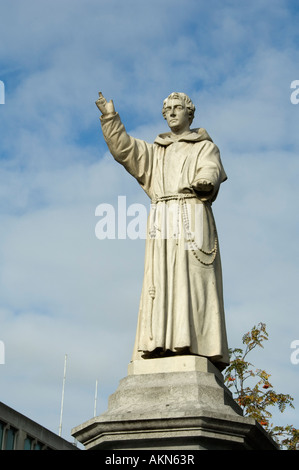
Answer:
(185, 100)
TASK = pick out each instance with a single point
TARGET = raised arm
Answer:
(134, 154)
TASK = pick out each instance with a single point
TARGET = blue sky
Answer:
(64, 291)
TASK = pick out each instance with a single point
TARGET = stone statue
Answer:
(181, 307)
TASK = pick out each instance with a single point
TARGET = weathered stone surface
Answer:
(184, 363)
(181, 410)
(181, 306)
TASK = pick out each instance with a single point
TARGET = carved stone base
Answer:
(176, 403)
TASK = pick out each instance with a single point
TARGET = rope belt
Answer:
(181, 198)
(174, 197)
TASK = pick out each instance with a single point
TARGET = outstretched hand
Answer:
(104, 106)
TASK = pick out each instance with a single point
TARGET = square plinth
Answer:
(175, 403)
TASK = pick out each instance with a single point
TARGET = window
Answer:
(1, 433)
(28, 443)
(10, 439)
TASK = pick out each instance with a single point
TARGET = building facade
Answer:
(17, 432)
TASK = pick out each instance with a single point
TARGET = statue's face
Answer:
(177, 115)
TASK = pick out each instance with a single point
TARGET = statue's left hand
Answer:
(203, 185)
(104, 106)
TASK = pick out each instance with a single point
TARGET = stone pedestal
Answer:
(176, 403)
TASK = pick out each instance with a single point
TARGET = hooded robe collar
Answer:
(194, 135)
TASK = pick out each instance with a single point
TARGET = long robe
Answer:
(181, 307)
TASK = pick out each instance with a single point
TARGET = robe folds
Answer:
(181, 307)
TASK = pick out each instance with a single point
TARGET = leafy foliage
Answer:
(253, 391)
